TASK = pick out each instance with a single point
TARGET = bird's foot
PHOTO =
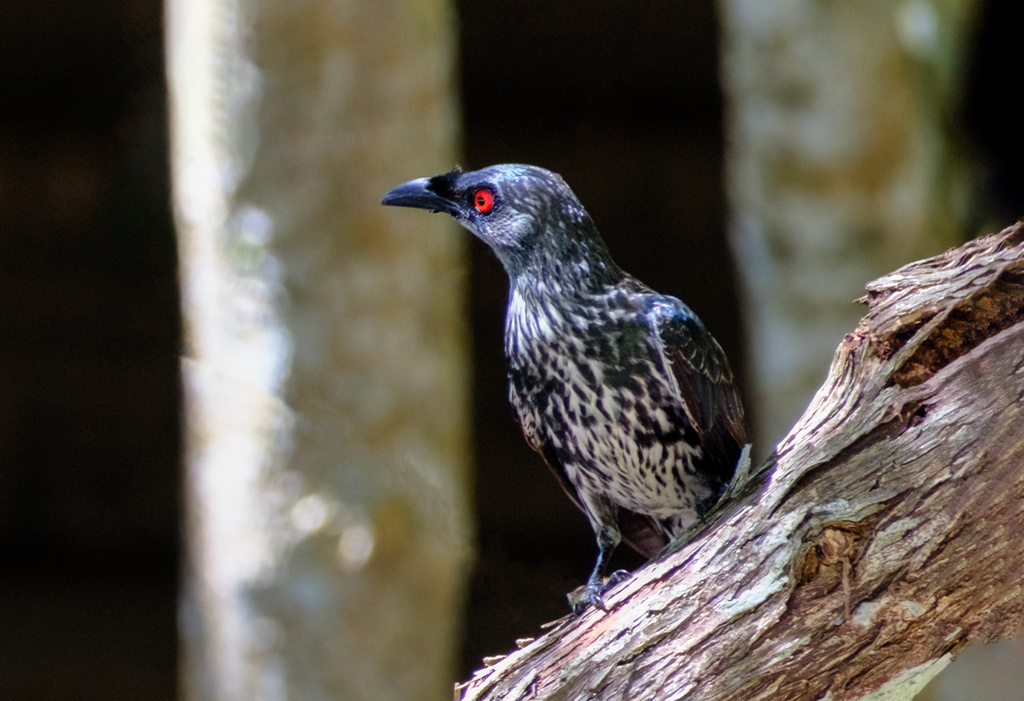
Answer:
(616, 577)
(593, 594)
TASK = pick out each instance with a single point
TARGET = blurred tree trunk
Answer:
(327, 529)
(841, 164)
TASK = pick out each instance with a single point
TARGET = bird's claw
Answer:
(616, 577)
(590, 597)
(593, 595)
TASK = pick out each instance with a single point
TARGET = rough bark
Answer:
(884, 534)
(327, 523)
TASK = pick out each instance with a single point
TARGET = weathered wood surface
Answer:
(885, 534)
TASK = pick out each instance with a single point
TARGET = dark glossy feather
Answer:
(705, 384)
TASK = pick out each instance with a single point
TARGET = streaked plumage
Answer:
(623, 391)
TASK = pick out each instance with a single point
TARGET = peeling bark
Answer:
(883, 535)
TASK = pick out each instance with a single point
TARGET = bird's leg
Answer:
(607, 538)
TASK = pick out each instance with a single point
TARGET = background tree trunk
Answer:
(882, 537)
(841, 163)
(325, 374)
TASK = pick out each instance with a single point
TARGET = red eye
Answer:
(483, 200)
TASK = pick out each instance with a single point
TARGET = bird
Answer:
(623, 391)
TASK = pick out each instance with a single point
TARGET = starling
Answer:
(622, 390)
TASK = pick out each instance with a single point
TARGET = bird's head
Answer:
(527, 215)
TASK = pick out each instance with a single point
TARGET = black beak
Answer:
(420, 193)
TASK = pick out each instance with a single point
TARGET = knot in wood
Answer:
(836, 544)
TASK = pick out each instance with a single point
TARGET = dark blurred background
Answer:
(630, 112)
(89, 338)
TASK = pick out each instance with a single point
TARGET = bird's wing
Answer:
(548, 452)
(705, 381)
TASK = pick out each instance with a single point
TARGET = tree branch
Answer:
(884, 534)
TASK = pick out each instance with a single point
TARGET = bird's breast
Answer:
(589, 384)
